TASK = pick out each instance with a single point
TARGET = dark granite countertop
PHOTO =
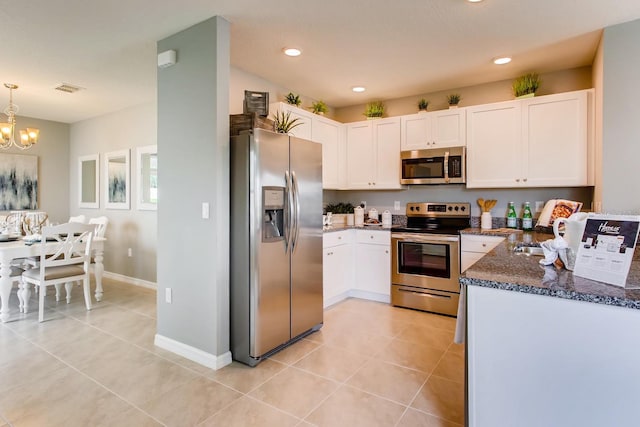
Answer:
(504, 269)
(340, 227)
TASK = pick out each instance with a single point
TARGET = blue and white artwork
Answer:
(117, 180)
(18, 182)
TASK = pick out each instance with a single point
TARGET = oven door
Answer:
(430, 261)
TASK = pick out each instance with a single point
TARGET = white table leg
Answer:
(98, 270)
(26, 295)
(5, 288)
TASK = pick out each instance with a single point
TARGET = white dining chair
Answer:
(69, 261)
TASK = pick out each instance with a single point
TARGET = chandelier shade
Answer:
(28, 136)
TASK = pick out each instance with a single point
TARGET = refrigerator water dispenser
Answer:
(273, 214)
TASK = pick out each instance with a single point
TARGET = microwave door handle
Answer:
(446, 167)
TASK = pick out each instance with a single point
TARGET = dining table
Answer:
(19, 248)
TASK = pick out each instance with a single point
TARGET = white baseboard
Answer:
(372, 296)
(130, 280)
(192, 353)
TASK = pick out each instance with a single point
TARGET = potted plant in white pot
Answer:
(319, 108)
(453, 100)
(293, 99)
(526, 86)
(339, 212)
(283, 123)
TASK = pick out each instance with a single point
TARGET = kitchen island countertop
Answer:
(342, 227)
(502, 268)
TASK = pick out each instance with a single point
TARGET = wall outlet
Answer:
(129, 252)
(167, 295)
(363, 204)
(396, 205)
(539, 206)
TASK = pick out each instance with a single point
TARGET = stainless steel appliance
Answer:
(434, 166)
(425, 257)
(276, 242)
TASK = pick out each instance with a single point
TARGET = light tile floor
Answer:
(370, 365)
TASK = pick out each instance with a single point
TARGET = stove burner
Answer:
(436, 218)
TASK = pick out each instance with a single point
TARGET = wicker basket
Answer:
(256, 102)
(245, 122)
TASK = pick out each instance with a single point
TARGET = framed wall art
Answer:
(147, 178)
(117, 180)
(18, 182)
(89, 181)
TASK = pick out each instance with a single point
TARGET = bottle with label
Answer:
(512, 216)
(527, 218)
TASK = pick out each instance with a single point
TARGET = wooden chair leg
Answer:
(87, 293)
(41, 305)
(68, 287)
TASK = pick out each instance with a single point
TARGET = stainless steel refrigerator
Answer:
(276, 242)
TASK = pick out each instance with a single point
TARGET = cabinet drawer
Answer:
(477, 243)
(335, 238)
(376, 237)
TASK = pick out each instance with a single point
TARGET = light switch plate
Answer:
(167, 295)
(205, 210)
(396, 205)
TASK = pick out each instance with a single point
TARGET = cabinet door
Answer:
(360, 156)
(494, 145)
(387, 139)
(327, 132)
(448, 128)
(373, 269)
(555, 140)
(336, 273)
(415, 132)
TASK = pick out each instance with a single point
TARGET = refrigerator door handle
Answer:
(287, 213)
(296, 211)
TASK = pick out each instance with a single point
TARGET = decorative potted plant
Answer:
(339, 211)
(453, 100)
(293, 99)
(374, 110)
(526, 86)
(283, 123)
(422, 105)
(319, 108)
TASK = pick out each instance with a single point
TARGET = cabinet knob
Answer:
(339, 237)
(517, 179)
(525, 179)
(371, 237)
(484, 245)
(386, 252)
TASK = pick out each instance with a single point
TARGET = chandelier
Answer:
(28, 136)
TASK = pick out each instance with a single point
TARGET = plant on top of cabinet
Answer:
(526, 86)
(374, 109)
(319, 108)
(283, 123)
(423, 104)
(453, 100)
(293, 99)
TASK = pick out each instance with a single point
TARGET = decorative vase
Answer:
(527, 95)
(422, 111)
(451, 107)
(373, 118)
(485, 221)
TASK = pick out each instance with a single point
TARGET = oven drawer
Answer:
(425, 299)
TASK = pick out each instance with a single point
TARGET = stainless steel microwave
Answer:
(434, 166)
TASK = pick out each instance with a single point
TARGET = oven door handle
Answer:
(420, 238)
(424, 294)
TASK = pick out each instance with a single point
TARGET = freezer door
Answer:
(269, 294)
(306, 245)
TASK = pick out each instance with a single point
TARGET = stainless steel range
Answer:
(425, 257)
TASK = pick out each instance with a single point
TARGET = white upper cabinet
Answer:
(331, 135)
(373, 154)
(535, 142)
(438, 129)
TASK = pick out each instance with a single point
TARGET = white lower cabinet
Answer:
(474, 246)
(356, 263)
(372, 279)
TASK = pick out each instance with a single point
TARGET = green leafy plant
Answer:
(526, 84)
(374, 109)
(292, 99)
(423, 104)
(319, 107)
(339, 208)
(283, 123)
(454, 99)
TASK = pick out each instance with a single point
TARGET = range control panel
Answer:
(439, 209)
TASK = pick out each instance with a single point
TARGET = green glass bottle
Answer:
(527, 218)
(512, 216)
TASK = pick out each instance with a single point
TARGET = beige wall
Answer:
(132, 228)
(556, 82)
(598, 76)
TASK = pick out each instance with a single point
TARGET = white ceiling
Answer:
(394, 48)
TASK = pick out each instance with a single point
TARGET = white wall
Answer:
(122, 130)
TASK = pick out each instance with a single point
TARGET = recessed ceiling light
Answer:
(502, 60)
(291, 51)
(358, 89)
(474, 1)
